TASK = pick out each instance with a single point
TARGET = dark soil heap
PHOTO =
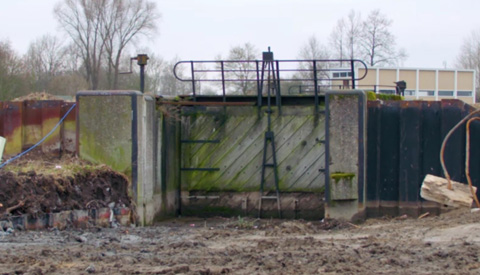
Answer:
(46, 186)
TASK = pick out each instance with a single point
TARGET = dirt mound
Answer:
(37, 96)
(53, 185)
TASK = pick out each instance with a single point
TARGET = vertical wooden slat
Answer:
(410, 158)
(431, 143)
(475, 154)
(451, 114)
(373, 185)
(389, 158)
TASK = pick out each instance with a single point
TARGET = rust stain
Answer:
(12, 127)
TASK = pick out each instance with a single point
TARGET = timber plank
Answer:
(233, 146)
(294, 156)
(249, 157)
(252, 173)
(435, 189)
(284, 142)
(229, 157)
(251, 138)
(308, 168)
(205, 151)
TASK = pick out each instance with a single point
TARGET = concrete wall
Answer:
(207, 160)
(170, 162)
(345, 151)
(118, 128)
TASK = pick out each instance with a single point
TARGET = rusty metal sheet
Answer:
(1, 118)
(32, 123)
(12, 127)
(51, 110)
(69, 127)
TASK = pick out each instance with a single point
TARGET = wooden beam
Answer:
(435, 189)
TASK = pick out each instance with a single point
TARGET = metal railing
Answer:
(309, 89)
(246, 76)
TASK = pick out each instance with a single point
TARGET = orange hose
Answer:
(442, 149)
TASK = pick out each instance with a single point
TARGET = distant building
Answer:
(422, 84)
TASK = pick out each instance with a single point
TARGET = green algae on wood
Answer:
(340, 175)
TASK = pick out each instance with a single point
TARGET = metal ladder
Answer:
(268, 64)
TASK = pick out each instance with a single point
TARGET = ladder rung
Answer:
(199, 141)
(269, 165)
(269, 197)
(200, 169)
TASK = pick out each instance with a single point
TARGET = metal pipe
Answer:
(193, 81)
(223, 81)
(142, 78)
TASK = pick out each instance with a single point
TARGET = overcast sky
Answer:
(431, 31)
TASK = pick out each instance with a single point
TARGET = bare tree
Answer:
(338, 39)
(353, 34)
(166, 82)
(469, 56)
(14, 79)
(125, 21)
(82, 21)
(102, 29)
(45, 60)
(241, 71)
(378, 43)
(313, 50)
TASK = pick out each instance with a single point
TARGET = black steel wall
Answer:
(403, 145)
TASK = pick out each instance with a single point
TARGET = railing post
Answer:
(193, 81)
(315, 82)
(259, 88)
(223, 81)
(278, 95)
(352, 67)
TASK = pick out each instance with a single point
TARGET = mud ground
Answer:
(446, 244)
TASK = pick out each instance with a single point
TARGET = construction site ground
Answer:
(446, 244)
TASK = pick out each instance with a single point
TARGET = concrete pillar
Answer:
(117, 128)
(345, 175)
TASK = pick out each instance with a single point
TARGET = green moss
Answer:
(337, 176)
(118, 159)
(390, 97)
(218, 155)
(98, 145)
(371, 95)
(341, 96)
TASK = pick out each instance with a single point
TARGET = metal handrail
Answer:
(314, 71)
(309, 88)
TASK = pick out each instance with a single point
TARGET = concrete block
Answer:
(60, 220)
(122, 215)
(80, 218)
(36, 222)
(102, 218)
